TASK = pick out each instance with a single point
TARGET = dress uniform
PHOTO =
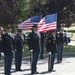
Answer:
(61, 39)
(51, 48)
(33, 43)
(8, 48)
(19, 44)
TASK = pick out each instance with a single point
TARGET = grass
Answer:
(67, 48)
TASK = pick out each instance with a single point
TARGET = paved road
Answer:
(67, 67)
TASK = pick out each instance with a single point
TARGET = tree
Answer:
(16, 11)
(64, 8)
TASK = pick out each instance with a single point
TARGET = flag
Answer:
(30, 22)
(48, 23)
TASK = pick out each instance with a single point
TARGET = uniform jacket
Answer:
(19, 43)
(61, 38)
(7, 43)
(51, 44)
(33, 42)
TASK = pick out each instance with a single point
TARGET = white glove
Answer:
(49, 52)
(23, 50)
(2, 53)
(31, 50)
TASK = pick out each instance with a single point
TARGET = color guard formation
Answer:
(14, 44)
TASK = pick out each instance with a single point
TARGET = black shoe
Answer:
(19, 70)
(53, 70)
(35, 72)
(50, 70)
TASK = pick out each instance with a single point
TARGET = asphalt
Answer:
(67, 67)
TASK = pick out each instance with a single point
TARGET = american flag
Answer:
(30, 22)
(48, 23)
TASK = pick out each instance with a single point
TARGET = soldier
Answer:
(61, 39)
(8, 48)
(34, 46)
(19, 44)
(51, 48)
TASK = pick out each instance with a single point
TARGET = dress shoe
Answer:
(19, 70)
(51, 70)
(35, 72)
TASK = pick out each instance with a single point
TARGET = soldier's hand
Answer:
(31, 50)
(49, 52)
(2, 53)
(23, 50)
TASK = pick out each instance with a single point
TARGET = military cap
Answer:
(19, 30)
(34, 26)
(8, 26)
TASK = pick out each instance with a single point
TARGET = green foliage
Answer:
(16, 11)
(69, 49)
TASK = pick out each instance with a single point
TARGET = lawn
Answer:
(67, 49)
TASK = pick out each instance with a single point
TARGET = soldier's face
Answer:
(62, 31)
(54, 33)
(9, 29)
(35, 29)
(20, 33)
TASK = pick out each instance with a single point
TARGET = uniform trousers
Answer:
(34, 62)
(18, 60)
(7, 63)
(52, 61)
(60, 48)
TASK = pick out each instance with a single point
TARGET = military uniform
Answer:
(19, 45)
(33, 43)
(8, 48)
(61, 39)
(51, 47)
